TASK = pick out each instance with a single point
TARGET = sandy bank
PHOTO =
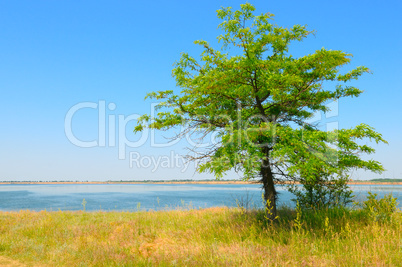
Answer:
(186, 182)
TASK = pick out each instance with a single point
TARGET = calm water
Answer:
(131, 197)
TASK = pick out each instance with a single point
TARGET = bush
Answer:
(379, 209)
(322, 192)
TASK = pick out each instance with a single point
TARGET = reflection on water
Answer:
(151, 196)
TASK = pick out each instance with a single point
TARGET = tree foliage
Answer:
(256, 98)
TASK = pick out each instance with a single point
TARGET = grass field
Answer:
(208, 237)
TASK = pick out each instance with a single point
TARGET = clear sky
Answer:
(102, 57)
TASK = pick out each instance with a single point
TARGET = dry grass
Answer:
(211, 237)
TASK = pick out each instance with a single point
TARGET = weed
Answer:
(84, 203)
(378, 209)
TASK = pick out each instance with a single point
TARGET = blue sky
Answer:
(57, 54)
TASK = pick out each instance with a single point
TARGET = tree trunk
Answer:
(270, 195)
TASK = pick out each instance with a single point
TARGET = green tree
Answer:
(255, 98)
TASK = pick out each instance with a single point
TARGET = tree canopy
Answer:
(256, 98)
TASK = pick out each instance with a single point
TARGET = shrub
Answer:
(322, 191)
(379, 209)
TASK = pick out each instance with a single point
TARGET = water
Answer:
(132, 197)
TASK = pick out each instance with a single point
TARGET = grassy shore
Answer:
(208, 237)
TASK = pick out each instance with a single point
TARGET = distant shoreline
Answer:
(181, 182)
(138, 182)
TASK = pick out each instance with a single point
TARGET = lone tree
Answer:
(255, 98)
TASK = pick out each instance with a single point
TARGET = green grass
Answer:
(207, 237)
